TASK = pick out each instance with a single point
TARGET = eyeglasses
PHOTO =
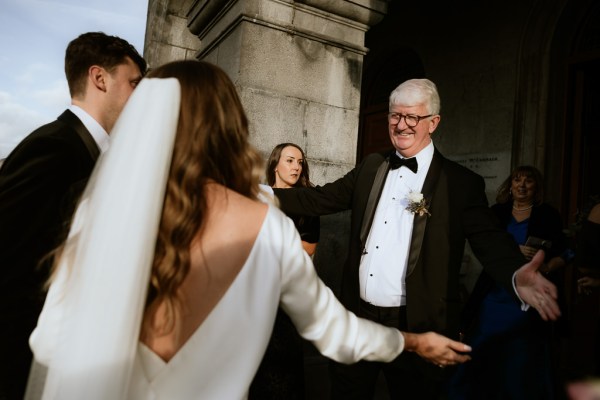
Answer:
(410, 120)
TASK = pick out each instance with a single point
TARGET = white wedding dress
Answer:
(87, 336)
(221, 357)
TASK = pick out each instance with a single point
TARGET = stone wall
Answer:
(167, 36)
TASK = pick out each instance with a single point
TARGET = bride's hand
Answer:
(436, 348)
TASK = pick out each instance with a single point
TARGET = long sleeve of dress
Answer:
(321, 318)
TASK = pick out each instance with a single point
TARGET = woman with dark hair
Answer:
(169, 282)
(287, 167)
(281, 372)
(511, 355)
(287, 153)
(522, 211)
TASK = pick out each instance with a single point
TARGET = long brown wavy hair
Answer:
(211, 146)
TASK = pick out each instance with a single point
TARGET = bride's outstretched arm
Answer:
(337, 332)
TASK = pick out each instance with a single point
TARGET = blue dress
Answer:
(511, 357)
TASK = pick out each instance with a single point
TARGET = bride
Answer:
(169, 282)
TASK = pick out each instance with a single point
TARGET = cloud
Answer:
(31, 73)
(55, 97)
(16, 121)
(113, 17)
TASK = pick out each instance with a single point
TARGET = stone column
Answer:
(167, 37)
(297, 66)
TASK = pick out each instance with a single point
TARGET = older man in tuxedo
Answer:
(412, 210)
(41, 180)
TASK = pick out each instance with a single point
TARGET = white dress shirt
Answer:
(96, 130)
(382, 270)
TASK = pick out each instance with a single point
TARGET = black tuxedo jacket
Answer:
(40, 183)
(459, 212)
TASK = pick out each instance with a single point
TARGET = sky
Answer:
(33, 37)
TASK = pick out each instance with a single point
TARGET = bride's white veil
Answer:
(88, 331)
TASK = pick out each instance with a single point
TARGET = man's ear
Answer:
(433, 123)
(97, 76)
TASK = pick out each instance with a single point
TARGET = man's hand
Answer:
(436, 348)
(536, 290)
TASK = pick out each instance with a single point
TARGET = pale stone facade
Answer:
(297, 66)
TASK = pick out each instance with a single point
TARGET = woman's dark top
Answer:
(281, 372)
(309, 228)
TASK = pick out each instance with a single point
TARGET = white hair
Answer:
(415, 92)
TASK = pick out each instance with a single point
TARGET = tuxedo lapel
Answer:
(420, 221)
(374, 195)
(70, 119)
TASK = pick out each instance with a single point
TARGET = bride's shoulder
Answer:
(226, 203)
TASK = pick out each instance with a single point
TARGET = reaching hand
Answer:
(536, 290)
(586, 284)
(436, 348)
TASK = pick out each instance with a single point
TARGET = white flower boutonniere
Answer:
(417, 204)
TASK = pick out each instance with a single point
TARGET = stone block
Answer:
(178, 35)
(332, 133)
(228, 55)
(299, 67)
(323, 172)
(273, 118)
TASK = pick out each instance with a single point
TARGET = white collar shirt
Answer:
(96, 130)
(383, 264)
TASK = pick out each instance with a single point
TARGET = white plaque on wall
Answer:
(493, 167)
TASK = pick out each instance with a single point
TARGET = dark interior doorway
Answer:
(388, 63)
(582, 135)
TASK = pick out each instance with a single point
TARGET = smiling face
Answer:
(289, 167)
(408, 141)
(523, 189)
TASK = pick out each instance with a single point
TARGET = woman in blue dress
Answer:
(511, 355)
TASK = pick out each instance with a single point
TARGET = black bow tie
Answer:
(397, 162)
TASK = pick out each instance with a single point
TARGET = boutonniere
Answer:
(417, 204)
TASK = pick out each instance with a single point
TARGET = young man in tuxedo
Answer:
(40, 183)
(405, 254)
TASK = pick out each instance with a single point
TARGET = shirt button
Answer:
(376, 247)
(370, 274)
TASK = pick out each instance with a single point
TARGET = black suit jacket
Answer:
(459, 212)
(40, 183)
